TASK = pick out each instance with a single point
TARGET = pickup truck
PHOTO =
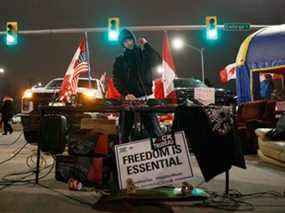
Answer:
(49, 95)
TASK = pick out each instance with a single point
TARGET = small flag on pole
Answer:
(168, 67)
(79, 64)
(228, 73)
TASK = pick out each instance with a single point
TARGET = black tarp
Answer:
(215, 153)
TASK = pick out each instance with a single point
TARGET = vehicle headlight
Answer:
(28, 94)
(89, 94)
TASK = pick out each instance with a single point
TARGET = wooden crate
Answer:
(99, 125)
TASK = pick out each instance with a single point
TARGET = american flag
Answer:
(79, 64)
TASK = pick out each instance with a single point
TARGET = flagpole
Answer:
(88, 59)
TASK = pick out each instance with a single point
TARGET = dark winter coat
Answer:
(7, 110)
(133, 71)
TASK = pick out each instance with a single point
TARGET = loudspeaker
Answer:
(53, 133)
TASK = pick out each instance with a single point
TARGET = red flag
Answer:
(158, 89)
(112, 92)
(168, 67)
(79, 64)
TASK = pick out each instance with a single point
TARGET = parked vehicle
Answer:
(49, 95)
(184, 88)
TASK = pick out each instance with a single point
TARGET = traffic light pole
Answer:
(133, 28)
(201, 51)
(203, 64)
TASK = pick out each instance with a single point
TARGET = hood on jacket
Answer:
(126, 34)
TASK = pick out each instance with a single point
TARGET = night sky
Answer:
(43, 57)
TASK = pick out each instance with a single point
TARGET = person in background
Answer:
(7, 114)
(231, 87)
(266, 87)
(208, 82)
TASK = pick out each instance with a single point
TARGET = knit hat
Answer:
(126, 34)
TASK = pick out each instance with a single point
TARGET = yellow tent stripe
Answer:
(242, 53)
(267, 68)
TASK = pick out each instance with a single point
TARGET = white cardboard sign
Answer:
(205, 95)
(149, 168)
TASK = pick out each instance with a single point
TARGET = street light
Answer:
(159, 69)
(178, 43)
(2, 71)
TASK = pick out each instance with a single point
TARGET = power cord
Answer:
(236, 200)
(17, 152)
(31, 160)
(7, 182)
(15, 141)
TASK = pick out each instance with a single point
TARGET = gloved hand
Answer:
(130, 97)
(142, 41)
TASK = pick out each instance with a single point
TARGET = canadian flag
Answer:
(168, 67)
(228, 73)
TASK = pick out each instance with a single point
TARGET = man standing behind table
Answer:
(133, 78)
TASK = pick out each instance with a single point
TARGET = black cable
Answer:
(236, 200)
(5, 179)
(236, 193)
(15, 154)
(30, 172)
(30, 162)
(23, 181)
(226, 202)
(15, 141)
(6, 182)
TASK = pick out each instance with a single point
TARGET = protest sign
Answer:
(149, 165)
(205, 95)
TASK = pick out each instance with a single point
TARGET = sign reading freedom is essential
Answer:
(149, 168)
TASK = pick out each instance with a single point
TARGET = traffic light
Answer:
(211, 27)
(113, 28)
(11, 33)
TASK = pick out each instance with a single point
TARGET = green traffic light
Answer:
(11, 40)
(211, 28)
(212, 34)
(11, 35)
(113, 35)
(113, 29)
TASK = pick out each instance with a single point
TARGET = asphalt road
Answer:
(53, 196)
